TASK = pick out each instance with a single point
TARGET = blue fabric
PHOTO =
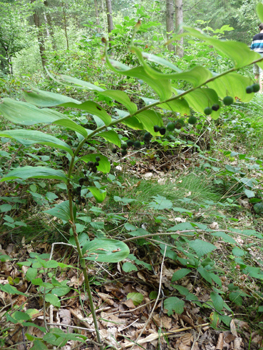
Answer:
(257, 43)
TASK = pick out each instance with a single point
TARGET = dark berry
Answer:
(114, 150)
(256, 87)
(124, 152)
(130, 143)
(207, 111)
(162, 130)
(215, 107)
(228, 100)
(124, 146)
(156, 128)
(137, 144)
(249, 89)
(147, 136)
(97, 159)
(192, 120)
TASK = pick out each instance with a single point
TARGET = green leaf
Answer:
(161, 86)
(122, 98)
(39, 345)
(227, 238)
(136, 298)
(5, 208)
(105, 250)
(34, 136)
(77, 82)
(42, 98)
(205, 274)
(181, 227)
(92, 108)
(174, 304)
(104, 164)
(70, 124)
(202, 247)
(20, 316)
(180, 106)
(238, 252)
(216, 279)
(31, 274)
(236, 297)
(249, 194)
(202, 98)
(111, 136)
(39, 172)
(195, 76)
(26, 114)
(98, 194)
(128, 267)
(4, 257)
(217, 300)
(62, 211)
(149, 119)
(52, 299)
(232, 84)
(180, 274)
(60, 291)
(160, 60)
(237, 51)
(259, 10)
(7, 288)
(160, 203)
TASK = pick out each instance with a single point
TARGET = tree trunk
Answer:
(170, 21)
(65, 24)
(109, 17)
(40, 36)
(50, 26)
(179, 22)
(97, 14)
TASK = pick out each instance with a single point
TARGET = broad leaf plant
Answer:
(207, 89)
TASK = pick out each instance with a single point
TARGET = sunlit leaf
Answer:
(149, 119)
(92, 108)
(121, 97)
(202, 98)
(136, 298)
(98, 194)
(104, 164)
(111, 136)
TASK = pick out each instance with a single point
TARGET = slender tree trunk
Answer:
(65, 24)
(49, 26)
(109, 17)
(97, 14)
(170, 21)
(103, 12)
(179, 22)
(40, 37)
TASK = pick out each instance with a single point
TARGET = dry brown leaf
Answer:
(164, 321)
(129, 304)
(106, 298)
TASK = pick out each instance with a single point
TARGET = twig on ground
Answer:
(156, 301)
